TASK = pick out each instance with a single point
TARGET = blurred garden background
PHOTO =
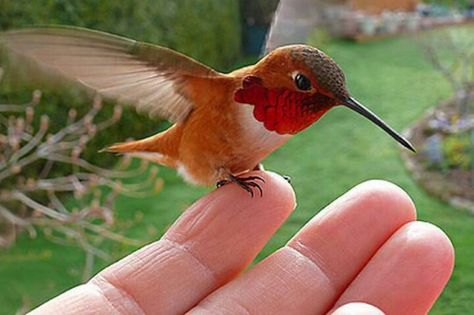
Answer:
(394, 61)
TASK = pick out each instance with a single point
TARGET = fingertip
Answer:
(426, 240)
(275, 191)
(230, 225)
(408, 273)
(279, 189)
(357, 308)
(374, 193)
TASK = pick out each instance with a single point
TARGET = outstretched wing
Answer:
(152, 78)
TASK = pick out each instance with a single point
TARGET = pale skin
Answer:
(363, 254)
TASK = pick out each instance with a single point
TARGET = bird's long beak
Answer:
(364, 111)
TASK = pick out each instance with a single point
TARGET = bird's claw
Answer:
(222, 183)
(246, 183)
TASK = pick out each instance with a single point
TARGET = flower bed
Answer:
(444, 166)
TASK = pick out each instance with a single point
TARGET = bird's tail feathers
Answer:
(123, 147)
(143, 149)
(161, 148)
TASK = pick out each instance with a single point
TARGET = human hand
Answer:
(365, 247)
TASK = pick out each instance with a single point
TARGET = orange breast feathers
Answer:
(280, 109)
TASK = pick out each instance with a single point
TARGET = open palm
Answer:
(363, 254)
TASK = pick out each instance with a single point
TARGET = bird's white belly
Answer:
(260, 141)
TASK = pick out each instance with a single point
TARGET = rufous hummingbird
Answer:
(224, 124)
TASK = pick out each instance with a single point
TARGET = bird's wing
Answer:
(152, 78)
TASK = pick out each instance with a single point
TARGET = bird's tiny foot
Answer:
(258, 167)
(247, 183)
(287, 178)
(222, 183)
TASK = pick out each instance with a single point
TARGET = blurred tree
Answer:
(452, 54)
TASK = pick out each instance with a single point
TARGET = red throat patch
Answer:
(282, 110)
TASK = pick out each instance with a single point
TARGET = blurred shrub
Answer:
(206, 30)
(56, 104)
(40, 168)
(457, 151)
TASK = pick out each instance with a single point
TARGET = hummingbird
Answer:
(224, 125)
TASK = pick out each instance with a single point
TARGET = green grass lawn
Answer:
(342, 150)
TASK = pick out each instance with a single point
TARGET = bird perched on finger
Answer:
(224, 124)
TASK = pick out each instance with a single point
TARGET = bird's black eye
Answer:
(302, 82)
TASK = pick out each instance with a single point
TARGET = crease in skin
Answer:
(287, 274)
(240, 306)
(141, 262)
(154, 256)
(322, 272)
(291, 275)
(279, 284)
(299, 279)
(304, 250)
(187, 251)
(135, 266)
(231, 306)
(118, 298)
(192, 222)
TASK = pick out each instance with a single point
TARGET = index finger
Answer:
(211, 243)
